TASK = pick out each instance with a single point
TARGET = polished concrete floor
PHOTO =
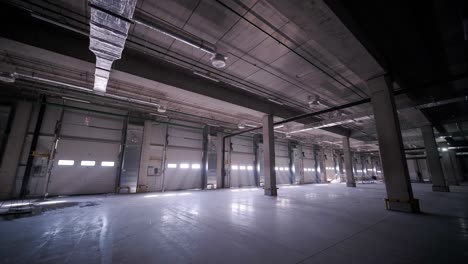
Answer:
(304, 224)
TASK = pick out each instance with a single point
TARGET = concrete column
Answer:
(397, 181)
(341, 168)
(299, 164)
(219, 160)
(433, 160)
(269, 156)
(448, 169)
(458, 175)
(348, 163)
(13, 148)
(322, 166)
(144, 157)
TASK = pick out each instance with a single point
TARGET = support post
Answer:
(204, 161)
(220, 142)
(317, 164)
(348, 163)
(433, 161)
(397, 181)
(256, 142)
(269, 156)
(144, 158)
(322, 166)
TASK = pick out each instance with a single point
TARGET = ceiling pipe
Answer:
(341, 120)
(218, 60)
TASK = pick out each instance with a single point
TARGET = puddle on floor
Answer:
(39, 207)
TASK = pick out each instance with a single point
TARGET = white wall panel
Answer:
(91, 125)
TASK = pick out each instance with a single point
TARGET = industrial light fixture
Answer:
(444, 149)
(278, 126)
(7, 77)
(241, 126)
(250, 125)
(314, 102)
(206, 76)
(288, 135)
(161, 109)
(218, 61)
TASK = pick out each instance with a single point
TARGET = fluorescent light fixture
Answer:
(278, 126)
(66, 162)
(302, 130)
(276, 168)
(249, 168)
(444, 149)
(107, 163)
(205, 76)
(274, 101)
(195, 166)
(88, 163)
(184, 165)
(250, 125)
(241, 167)
(213, 125)
(281, 168)
(76, 100)
(161, 109)
(234, 167)
(241, 126)
(172, 165)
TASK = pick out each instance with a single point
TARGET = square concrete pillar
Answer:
(142, 181)
(433, 160)
(458, 173)
(219, 160)
(348, 163)
(397, 180)
(269, 173)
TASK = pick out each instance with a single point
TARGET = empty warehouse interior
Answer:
(233, 131)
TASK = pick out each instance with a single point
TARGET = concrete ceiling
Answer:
(286, 50)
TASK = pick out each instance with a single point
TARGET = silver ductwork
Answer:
(109, 25)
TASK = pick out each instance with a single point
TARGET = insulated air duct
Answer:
(109, 25)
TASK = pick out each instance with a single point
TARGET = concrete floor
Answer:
(304, 224)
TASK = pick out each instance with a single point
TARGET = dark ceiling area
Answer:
(421, 44)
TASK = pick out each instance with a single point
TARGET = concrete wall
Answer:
(92, 132)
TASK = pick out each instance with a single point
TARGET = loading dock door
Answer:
(242, 162)
(77, 179)
(183, 159)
